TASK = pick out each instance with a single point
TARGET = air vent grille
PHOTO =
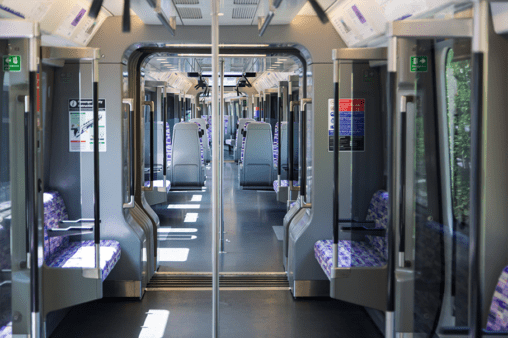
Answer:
(245, 2)
(186, 2)
(244, 12)
(190, 13)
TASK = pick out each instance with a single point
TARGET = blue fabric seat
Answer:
(60, 252)
(370, 253)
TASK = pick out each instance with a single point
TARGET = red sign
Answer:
(352, 105)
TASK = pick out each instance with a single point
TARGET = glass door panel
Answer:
(434, 141)
(362, 179)
(14, 240)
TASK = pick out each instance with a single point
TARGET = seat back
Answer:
(283, 148)
(498, 315)
(168, 144)
(242, 151)
(238, 146)
(207, 156)
(378, 212)
(54, 212)
(258, 157)
(186, 165)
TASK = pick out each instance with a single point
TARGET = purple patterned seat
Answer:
(276, 145)
(243, 143)
(6, 331)
(60, 252)
(283, 183)
(168, 145)
(82, 255)
(371, 253)
(201, 145)
(292, 205)
(351, 254)
(498, 315)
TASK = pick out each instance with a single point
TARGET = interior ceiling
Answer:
(233, 12)
(233, 66)
(203, 64)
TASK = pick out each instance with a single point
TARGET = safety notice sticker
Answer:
(351, 124)
(81, 127)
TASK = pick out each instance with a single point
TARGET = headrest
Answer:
(258, 126)
(186, 126)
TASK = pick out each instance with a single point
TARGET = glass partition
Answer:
(71, 204)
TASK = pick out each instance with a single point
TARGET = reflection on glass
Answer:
(5, 203)
(458, 93)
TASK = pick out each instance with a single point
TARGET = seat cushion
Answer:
(283, 183)
(6, 331)
(351, 254)
(498, 315)
(378, 212)
(159, 184)
(82, 255)
(54, 212)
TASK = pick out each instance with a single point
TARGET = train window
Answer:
(458, 94)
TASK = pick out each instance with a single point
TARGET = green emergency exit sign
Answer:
(419, 64)
(12, 63)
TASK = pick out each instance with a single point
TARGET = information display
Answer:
(351, 123)
(81, 125)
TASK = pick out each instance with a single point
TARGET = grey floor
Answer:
(251, 247)
(250, 242)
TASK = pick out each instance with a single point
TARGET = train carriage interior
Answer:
(253, 168)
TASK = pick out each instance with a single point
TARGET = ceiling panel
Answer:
(190, 13)
(244, 12)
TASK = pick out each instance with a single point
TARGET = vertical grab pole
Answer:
(222, 110)
(392, 184)
(32, 215)
(290, 156)
(216, 169)
(335, 199)
(152, 141)
(97, 204)
(164, 140)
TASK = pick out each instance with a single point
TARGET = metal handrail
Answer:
(303, 147)
(150, 121)
(291, 156)
(130, 103)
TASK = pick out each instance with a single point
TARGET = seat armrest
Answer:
(365, 231)
(70, 231)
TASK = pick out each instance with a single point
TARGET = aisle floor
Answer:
(251, 246)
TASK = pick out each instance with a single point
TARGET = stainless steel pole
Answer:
(223, 112)
(216, 169)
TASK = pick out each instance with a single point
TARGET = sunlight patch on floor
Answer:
(155, 324)
(174, 254)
